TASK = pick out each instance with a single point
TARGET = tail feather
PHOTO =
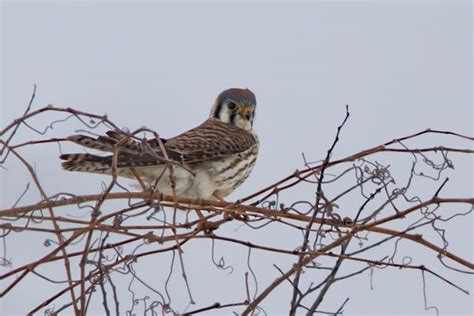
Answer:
(127, 144)
(89, 142)
(115, 140)
(103, 164)
(129, 153)
(86, 163)
(131, 145)
(108, 144)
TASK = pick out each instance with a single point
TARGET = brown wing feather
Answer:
(211, 140)
(123, 141)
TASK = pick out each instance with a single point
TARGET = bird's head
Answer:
(235, 106)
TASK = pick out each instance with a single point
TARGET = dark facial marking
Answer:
(218, 110)
(232, 117)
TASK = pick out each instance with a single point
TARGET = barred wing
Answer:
(211, 140)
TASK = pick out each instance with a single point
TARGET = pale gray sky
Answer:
(402, 66)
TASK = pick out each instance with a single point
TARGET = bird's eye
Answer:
(231, 105)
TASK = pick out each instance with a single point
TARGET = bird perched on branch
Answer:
(207, 162)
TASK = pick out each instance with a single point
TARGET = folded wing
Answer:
(211, 140)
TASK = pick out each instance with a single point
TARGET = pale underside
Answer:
(213, 179)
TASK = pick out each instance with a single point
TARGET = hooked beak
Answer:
(245, 110)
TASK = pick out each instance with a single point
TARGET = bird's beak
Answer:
(244, 110)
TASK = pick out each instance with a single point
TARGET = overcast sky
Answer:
(402, 66)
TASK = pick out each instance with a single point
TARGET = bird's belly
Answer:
(206, 180)
(164, 179)
(188, 182)
(227, 174)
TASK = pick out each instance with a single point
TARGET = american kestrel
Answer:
(211, 160)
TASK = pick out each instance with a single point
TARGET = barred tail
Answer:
(109, 143)
(87, 163)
